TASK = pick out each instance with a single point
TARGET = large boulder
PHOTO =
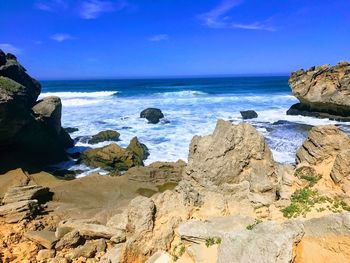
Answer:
(153, 115)
(108, 135)
(322, 91)
(249, 114)
(232, 155)
(31, 135)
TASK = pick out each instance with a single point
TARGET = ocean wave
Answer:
(183, 93)
(70, 95)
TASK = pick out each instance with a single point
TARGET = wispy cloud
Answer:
(218, 18)
(160, 37)
(92, 9)
(61, 37)
(51, 5)
(6, 47)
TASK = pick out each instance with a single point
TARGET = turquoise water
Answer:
(191, 107)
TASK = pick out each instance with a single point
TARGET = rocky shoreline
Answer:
(230, 202)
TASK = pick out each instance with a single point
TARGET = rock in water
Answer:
(322, 91)
(31, 135)
(153, 115)
(138, 149)
(108, 135)
(249, 114)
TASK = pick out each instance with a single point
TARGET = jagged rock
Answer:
(113, 255)
(160, 257)
(139, 149)
(49, 110)
(266, 242)
(87, 250)
(158, 172)
(86, 229)
(15, 212)
(23, 193)
(2, 58)
(231, 155)
(45, 254)
(12, 178)
(45, 238)
(322, 143)
(322, 91)
(70, 240)
(340, 172)
(115, 158)
(249, 114)
(153, 115)
(198, 231)
(108, 135)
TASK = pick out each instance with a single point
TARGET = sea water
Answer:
(191, 107)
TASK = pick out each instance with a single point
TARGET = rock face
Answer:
(153, 115)
(108, 135)
(249, 114)
(30, 130)
(322, 91)
(115, 158)
(232, 155)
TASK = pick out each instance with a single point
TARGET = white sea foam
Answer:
(69, 95)
(183, 93)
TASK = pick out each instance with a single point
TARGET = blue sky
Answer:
(65, 39)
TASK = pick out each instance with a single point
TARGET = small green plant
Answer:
(308, 174)
(251, 226)
(212, 241)
(178, 251)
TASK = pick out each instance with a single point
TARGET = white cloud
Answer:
(6, 47)
(218, 18)
(160, 37)
(51, 5)
(92, 9)
(61, 37)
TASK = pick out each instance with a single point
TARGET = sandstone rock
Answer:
(15, 212)
(70, 240)
(113, 255)
(45, 238)
(111, 157)
(323, 142)
(157, 173)
(57, 260)
(86, 229)
(198, 231)
(49, 110)
(322, 90)
(45, 254)
(340, 172)
(23, 193)
(139, 149)
(87, 250)
(231, 155)
(249, 114)
(160, 257)
(266, 242)
(108, 135)
(153, 115)
(12, 178)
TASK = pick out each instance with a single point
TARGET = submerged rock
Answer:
(322, 91)
(71, 129)
(249, 114)
(153, 115)
(108, 135)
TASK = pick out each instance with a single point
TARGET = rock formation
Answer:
(249, 114)
(322, 91)
(30, 131)
(108, 135)
(153, 115)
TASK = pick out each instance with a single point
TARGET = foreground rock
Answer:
(108, 135)
(115, 158)
(322, 91)
(30, 131)
(249, 114)
(153, 115)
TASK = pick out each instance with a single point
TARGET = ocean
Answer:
(191, 107)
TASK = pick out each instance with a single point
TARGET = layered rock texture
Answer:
(30, 130)
(323, 92)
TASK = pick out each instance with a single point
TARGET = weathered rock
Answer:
(153, 115)
(45, 238)
(71, 129)
(160, 257)
(113, 255)
(87, 250)
(157, 173)
(249, 114)
(111, 157)
(12, 178)
(70, 240)
(15, 212)
(322, 143)
(2, 58)
(323, 91)
(45, 254)
(340, 172)
(198, 231)
(231, 155)
(23, 193)
(86, 229)
(49, 111)
(139, 149)
(266, 242)
(108, 135)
